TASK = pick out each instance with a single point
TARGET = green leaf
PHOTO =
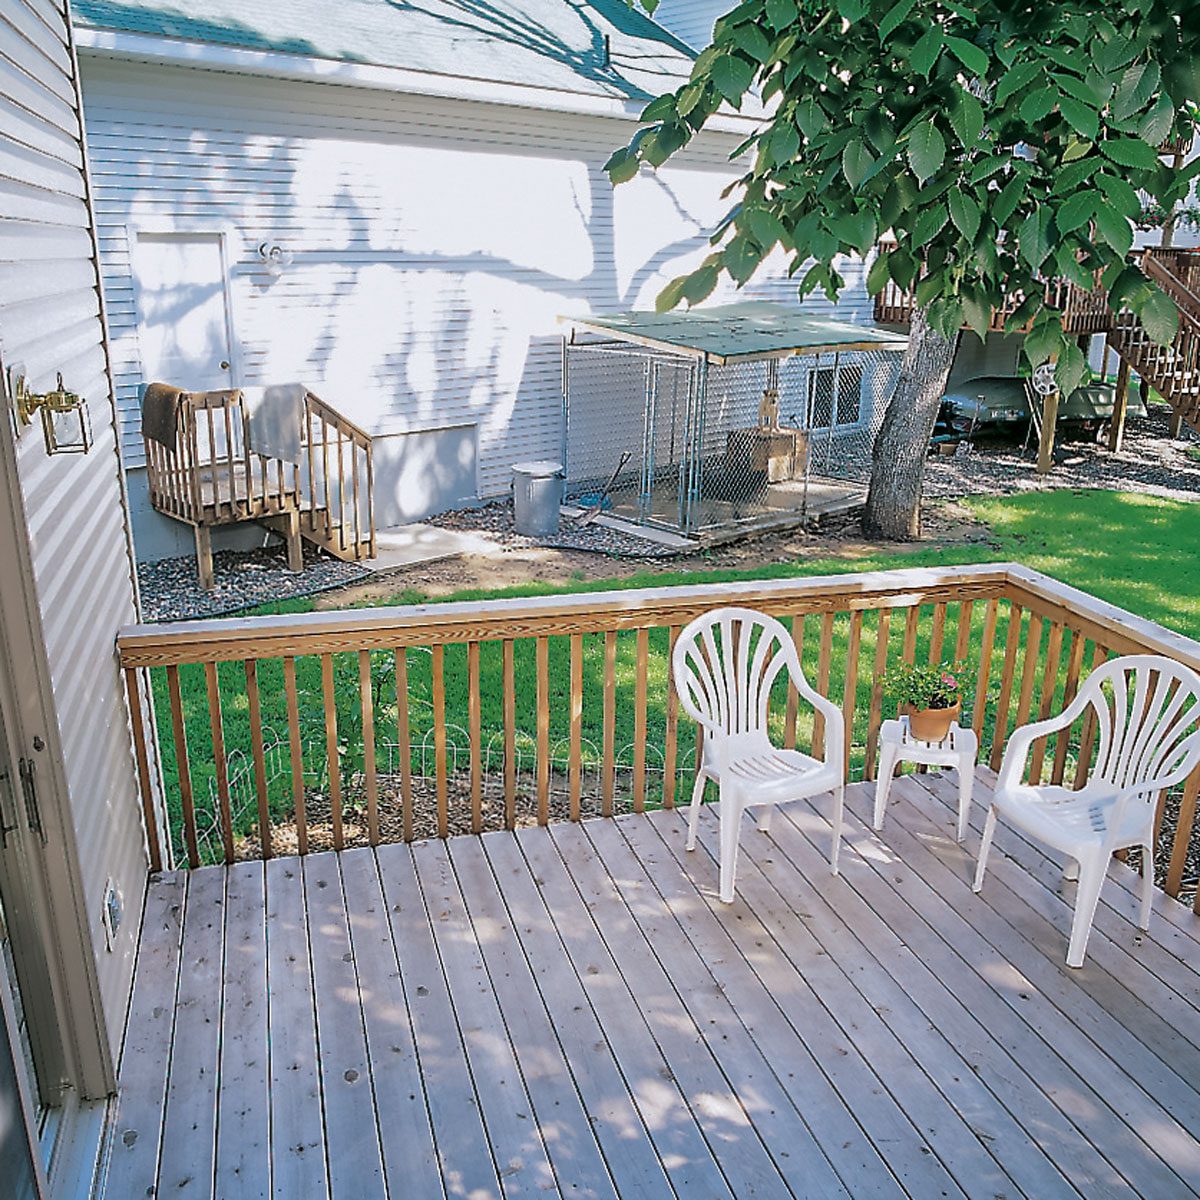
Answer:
(964, 212)
(894, 18)
(658, 110)
(1120, 194)
(925, 53)
(878, 275)
(1034, 238)
(741, 258)
(1043, 342)
(852, 10)
(1083, 119)
(1072, 175)
(1114, 228)
(926, 150)
(1076, 211)
(753, 41)
(978, 314)
(1006, 202)
(856, 162)
(1071, 370)
(783, 145)
(1016, 79)
(810, 117)
(780, 13)
(929, 223)
(1160, 317)
(966, 118)
(732, 76)
(1155, 126)
(1129, 152)
(1039, 104)
(856, 229)
(671, 296)
(985, 168)
(766, 227)
(622, 166)
(970, 55)
(700, 284)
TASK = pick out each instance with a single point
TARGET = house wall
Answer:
(80, 581)
(692, 20)
(435, 244)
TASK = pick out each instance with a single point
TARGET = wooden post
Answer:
(204, 559)
(1175, 424)
(1116, 429)
(1049, 423)
(295, 548)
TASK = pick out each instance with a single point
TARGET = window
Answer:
(835, 396)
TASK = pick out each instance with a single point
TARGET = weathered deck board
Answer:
(570, 1010)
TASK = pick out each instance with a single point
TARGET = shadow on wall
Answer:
(427, 273)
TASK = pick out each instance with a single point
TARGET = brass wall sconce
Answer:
(66, 426)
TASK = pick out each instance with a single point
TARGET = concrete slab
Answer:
(409, 545)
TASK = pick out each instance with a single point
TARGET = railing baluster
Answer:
(403, 743)
(370, 781)
(332, 759)
(1087, 737)
(137, 723)
(1070, 688)
(850, 693)
(439, 741)
(183, 767)
(1181, 843)
(823, 664)
(295, 753)
(250, 665)
(510, 738)
(1033, 650)
(474, 735)
(791, 714)
(219, 763)
(1011, 644)
(912, 619)
(937, 633)
(609, 765)
(962, 643)
(542, 656)
(639, 721)
(671, 746)
(985, 668)
(1037, 757)
(875, 718)
(575, 767)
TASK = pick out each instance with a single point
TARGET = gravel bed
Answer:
(496, 519)
(1150, 462)
(171, 590)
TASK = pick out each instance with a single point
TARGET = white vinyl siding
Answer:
(50, 321)
(692, 21)
(435, 243)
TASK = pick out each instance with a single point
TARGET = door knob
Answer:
(224, 365)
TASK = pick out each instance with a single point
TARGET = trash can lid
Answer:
(538, 468)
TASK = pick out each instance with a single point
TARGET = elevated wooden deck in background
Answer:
(569, 1011)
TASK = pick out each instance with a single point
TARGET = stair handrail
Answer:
(1153, 267)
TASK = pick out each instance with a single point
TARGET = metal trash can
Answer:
(537, 497)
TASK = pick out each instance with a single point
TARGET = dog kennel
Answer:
(709, 420)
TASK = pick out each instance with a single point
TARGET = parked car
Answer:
(992, 404)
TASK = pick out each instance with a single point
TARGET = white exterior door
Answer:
(184, 328)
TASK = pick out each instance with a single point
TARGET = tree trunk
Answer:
(898, 466)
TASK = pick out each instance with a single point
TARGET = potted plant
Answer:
(930, 696)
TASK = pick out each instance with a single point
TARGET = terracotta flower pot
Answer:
(932, 724)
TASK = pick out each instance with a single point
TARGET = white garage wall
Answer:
(435, 243)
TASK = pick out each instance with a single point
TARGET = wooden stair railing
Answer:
(212, 476)
(1173, 370)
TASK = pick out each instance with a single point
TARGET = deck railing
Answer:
(362, 726)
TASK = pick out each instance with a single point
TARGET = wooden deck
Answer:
(569, 1011)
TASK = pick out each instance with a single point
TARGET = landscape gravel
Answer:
(171, 590)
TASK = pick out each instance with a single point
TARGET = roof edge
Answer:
(93, 42)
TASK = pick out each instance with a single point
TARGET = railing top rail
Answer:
(331, 414)
(323, 632)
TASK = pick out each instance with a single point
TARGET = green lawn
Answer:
(1135, 551)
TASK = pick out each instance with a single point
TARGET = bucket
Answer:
(537, 497)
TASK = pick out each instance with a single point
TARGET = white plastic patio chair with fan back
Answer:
(725, 664)
(1147, 714)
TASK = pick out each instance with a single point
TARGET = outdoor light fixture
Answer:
(66, 426)
(275, 257)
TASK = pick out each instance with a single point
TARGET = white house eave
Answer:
(150, 48)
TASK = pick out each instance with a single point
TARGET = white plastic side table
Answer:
(959, 748)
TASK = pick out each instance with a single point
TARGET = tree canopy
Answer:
(999, 143)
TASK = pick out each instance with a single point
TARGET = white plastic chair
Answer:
(1147, 713)
(725, 664)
